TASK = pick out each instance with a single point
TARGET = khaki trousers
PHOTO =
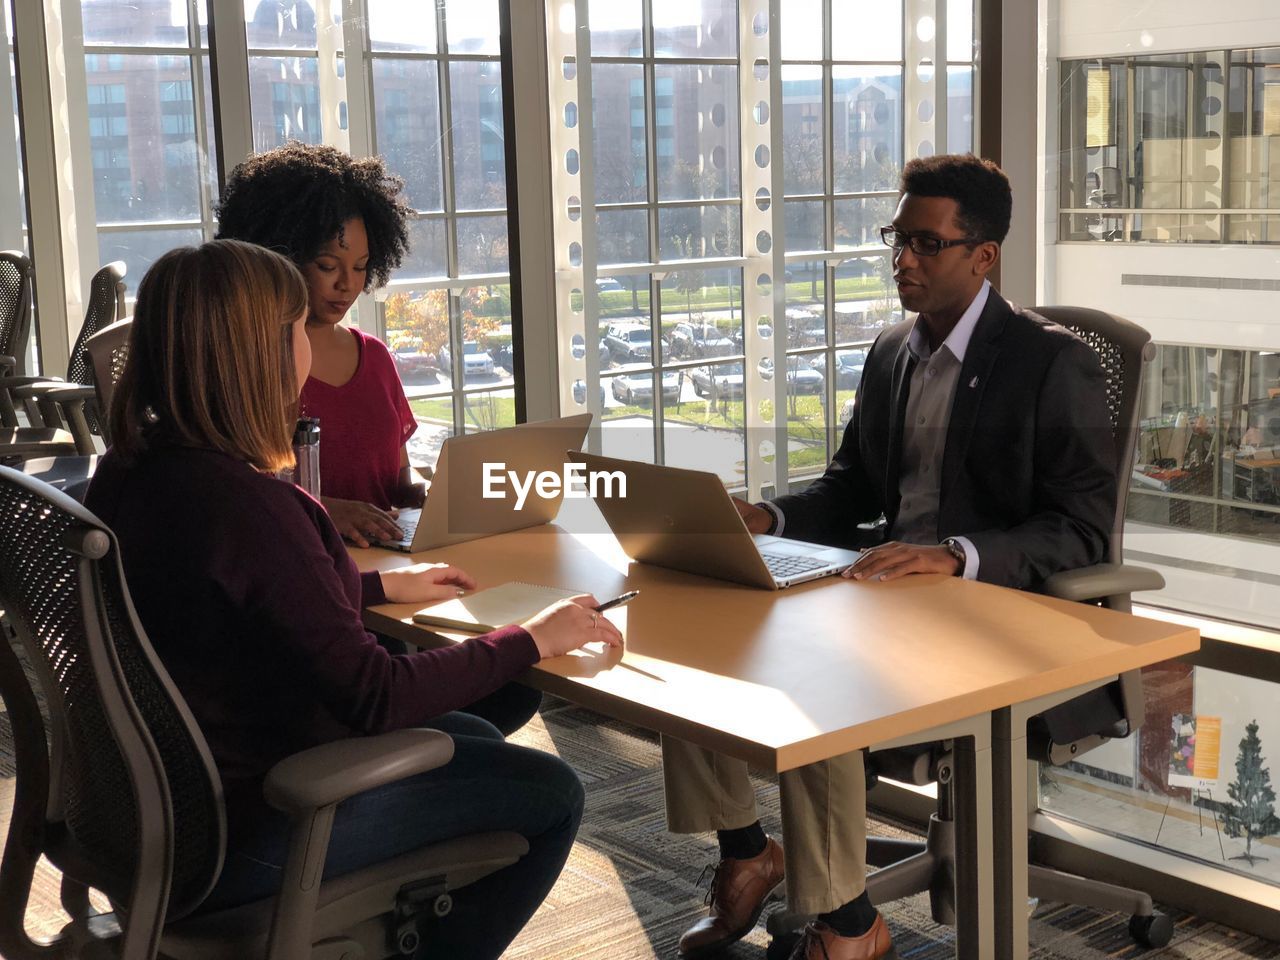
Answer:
(824, 817)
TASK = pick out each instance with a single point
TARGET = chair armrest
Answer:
(57, 391)
(332, 772)
(8, 363)
(14, 383)
(36, 387)
(1101, 580)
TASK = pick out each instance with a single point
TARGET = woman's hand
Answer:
(362, 522)
(569, 624)
(425, 581)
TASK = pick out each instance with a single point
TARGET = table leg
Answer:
(1010, 805)
(975, 919)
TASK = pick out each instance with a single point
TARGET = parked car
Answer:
(629, 342)
(636, 389)
(800, 379)
(688, 340)
(580, 392)
(720, 381)
(849, 369)
(475, 363)
(410, 360)
(608, 283)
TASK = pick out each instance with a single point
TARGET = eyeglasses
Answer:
(921, 244)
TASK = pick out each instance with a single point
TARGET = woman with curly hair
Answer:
(341, 220)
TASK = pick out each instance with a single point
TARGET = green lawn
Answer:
(620, 303)
(805, 419)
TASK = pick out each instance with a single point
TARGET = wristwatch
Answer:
(956, 549)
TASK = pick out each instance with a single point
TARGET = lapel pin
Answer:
(973, 383)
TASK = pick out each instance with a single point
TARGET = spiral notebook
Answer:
(490, 609)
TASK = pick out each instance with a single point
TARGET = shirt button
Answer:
(932, 371)
(926, 468)
(920, 420)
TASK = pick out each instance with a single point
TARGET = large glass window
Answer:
(1176, 148)
(284, 38)
(843, 142)
(666, 179)
(667, 86)
(146, 69)
(436, 85)
(1195, 780)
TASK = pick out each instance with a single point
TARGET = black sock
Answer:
(853, 919)
(743, 843)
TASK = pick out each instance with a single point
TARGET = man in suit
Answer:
(980, 441)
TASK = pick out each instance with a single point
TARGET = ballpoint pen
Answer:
(618, 601)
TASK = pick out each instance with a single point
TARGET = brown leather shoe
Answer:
(821, 942)
(738, 893)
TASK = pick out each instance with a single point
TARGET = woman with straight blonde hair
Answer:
(250, 599)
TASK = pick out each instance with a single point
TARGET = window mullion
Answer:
(232, 121)
(199, 78)
(78, 215)
(655, 251)
(333, 88)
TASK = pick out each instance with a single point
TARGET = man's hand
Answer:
(421, 582)
(889, 561)
(362, 522)
(757, 519)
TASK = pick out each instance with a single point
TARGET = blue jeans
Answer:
(489, 785)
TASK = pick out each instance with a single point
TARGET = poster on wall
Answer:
(1194, 751)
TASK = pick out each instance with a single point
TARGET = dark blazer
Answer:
(1028, 472)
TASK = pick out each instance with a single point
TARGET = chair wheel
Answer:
(442, 905)
(1153, 931)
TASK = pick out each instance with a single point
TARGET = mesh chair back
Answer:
(1123, 347)
(132, 790)
(106, 306)
(108, 350)
(15, 306)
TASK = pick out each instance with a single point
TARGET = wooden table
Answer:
(785, 678)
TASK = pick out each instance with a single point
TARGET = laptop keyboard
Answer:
(408, 520)
(785, 565)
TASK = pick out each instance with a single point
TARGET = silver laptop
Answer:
(456, 508)
(685, 520)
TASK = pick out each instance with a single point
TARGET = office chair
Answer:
(108, 349)
(1062, 733)
(1108, 193)
(70, 404)
(15, 314)
(17, 441)
(122, 796)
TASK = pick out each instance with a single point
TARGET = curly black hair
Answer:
(294, 200)
(979, 188)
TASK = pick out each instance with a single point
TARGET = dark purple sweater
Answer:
(248, 595)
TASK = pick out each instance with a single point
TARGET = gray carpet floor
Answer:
(630, 887)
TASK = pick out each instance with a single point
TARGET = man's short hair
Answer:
(979, 188)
